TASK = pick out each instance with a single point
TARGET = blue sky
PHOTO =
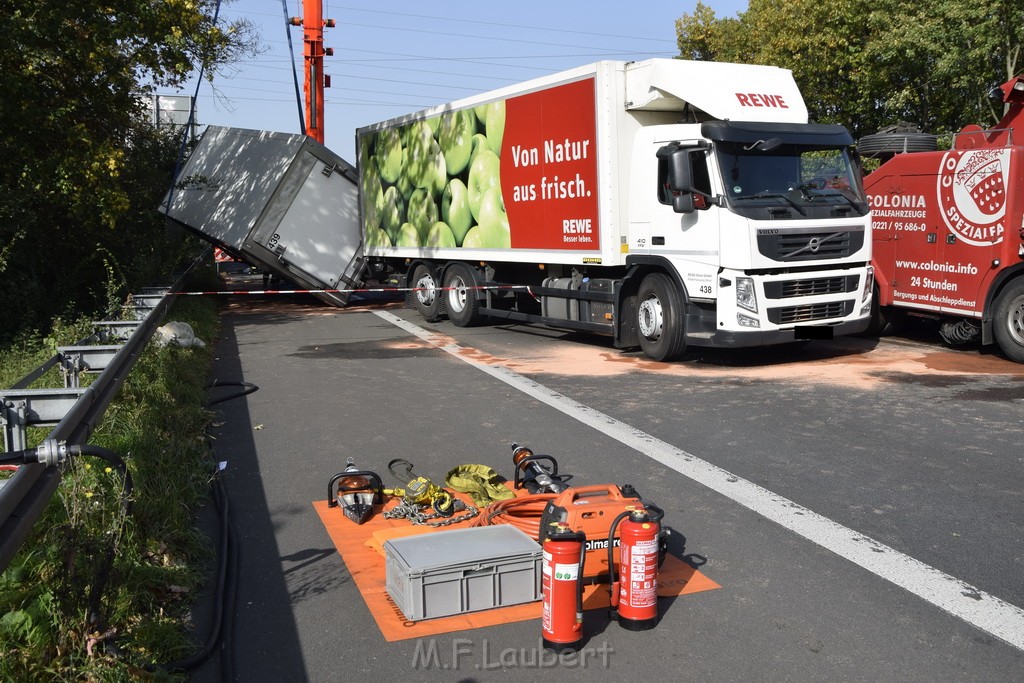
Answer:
(394, 58)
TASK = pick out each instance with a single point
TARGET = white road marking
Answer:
(983, 610)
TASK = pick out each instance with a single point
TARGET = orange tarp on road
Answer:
(361, 546)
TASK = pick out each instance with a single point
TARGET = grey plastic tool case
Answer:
(462, 570)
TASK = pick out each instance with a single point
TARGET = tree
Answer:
(72, 79)
(702, 36)
(869, 64)
(935, 62)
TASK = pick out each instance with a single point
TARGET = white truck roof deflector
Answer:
(725, 91)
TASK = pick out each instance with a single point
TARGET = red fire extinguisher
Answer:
(634, 594)
(562, 587)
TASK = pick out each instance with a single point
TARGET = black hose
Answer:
(225, 593)
(249, 389)
(579, 578)
(18, 457)
(191, 662)
(611, 554)
(227, 641)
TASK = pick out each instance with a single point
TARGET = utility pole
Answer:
(313, 24)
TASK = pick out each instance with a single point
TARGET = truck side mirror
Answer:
(683, 203)
(678, 177)
(680, 173)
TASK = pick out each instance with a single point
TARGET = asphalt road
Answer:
(859, 501)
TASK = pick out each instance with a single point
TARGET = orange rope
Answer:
(523, 513)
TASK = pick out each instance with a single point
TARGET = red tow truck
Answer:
(948, 232)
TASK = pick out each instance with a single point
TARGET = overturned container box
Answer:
(279, 201)
(462, 570)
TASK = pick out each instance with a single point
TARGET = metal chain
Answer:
(415, 514)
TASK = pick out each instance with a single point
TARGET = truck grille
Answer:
(810, 246)
(804, 314)
(789, 289)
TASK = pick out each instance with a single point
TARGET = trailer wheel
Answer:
(460, 299)
(1008, 322)
(426, 298)
(660, 313)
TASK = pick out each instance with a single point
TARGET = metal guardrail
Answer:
(73, 411)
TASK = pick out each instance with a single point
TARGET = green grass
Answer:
(157, 425)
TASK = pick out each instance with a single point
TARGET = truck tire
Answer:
(1008, 320)
(660, 318)
(459, 297)
(427, 297)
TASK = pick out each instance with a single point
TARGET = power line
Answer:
(472, 21)
(464, 35)
(224, 86)
(331, 100)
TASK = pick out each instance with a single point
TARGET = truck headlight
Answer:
(746, 297)
(869, 284)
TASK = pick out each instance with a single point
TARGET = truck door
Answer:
(691, 236)
(318, 238)
(975, 192)
(908, 235)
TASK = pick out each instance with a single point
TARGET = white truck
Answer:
(664, 203)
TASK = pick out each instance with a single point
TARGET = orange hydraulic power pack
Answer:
(591, 510)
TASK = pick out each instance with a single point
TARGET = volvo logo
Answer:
(813, 245)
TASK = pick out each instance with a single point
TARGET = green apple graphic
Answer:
(424, 160)
(440, 236)
(479, 143)
(422, 211)
(480, 111)
(394, 212)
(455, 136)
(455, 209)
(405, 185)
(408, 236)
(389, 155)
(373, 195)
(366, 148)
(436, 175)
(433, 122)
(495, 123)
(484, 173)
(492, 207)
(375, 237)
(419, 151)
(493, 236)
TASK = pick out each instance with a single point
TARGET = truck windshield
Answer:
(810, 180)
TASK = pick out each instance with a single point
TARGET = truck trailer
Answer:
(949, 229)
(664, 203)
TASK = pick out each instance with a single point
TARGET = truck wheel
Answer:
(426, 298)
(660, 318)
(460, 299)
(1008, 321)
